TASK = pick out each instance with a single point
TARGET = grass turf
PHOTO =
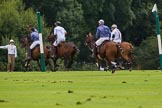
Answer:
(81, 89)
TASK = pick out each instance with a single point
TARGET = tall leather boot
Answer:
(55, 52)
(94, 55)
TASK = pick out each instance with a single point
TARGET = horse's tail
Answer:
(119, 47)
(131, 47)
(131, 51)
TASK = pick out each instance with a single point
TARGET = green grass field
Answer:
(84, 89)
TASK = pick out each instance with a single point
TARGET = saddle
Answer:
(38, 45)
(102, 44)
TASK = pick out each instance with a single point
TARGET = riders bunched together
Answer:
(103, 33)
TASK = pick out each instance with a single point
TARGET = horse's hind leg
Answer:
(39, 65)
(69, 62)
(112, 65)
(128, 59)
(50, 65)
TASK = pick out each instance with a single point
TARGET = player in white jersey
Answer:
(60, 33)
(115, 34)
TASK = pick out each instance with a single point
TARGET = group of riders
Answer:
(59, 31)
(103, 33)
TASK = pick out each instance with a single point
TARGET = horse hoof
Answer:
(113, 71)
(130, 70)
(106, 69)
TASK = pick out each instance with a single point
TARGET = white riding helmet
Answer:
(57, 23)
(114, 26)
(101, 22)
(11, 41)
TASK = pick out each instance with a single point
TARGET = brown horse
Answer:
(110, 51)
(65, 50)
(26, 42)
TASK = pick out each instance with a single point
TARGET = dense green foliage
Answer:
(86, 89)
(148, 50)
(133, 17)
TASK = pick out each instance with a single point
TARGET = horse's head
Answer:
(25, 41)
(89, 40)
(50, 38)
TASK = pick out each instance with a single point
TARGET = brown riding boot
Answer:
(94, 54)
(55, 52)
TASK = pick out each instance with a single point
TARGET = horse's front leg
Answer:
(99, 64)
(55, 64)
(27, 61)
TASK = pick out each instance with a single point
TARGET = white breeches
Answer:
(99, 41)
(117, 41)
(58, 41)
(34, 44)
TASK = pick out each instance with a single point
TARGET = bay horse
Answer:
(35, 53)
(65, 50)
(110, 51)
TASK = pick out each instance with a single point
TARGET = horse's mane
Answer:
(27, 36)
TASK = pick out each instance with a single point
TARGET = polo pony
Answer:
(26, 42)
(110, 51)
(65, 50)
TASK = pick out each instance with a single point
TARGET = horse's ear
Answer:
(52, 30)
(90, 33)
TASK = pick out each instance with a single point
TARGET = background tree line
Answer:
(133, 17)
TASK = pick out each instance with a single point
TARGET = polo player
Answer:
(34, 37)
(103, 33)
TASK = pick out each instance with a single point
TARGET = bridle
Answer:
(89, 42)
